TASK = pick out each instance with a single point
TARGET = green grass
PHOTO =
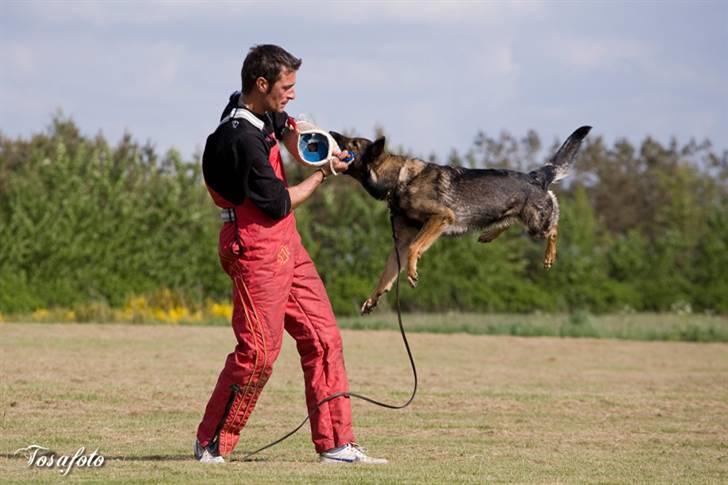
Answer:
(634, 326)
(629, 326)
(490, 408)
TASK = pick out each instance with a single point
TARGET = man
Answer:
(275, 283)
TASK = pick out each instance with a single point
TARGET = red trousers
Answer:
(276, 286)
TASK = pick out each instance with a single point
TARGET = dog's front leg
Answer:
(549, 257)
(492, 231)
(386, 280)
(433, 229)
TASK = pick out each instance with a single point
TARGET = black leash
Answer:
(353, 394)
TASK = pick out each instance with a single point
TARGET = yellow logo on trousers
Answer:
(283, 254)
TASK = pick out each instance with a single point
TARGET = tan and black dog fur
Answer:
(429, 200)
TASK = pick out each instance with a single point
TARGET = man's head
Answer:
(269, 76)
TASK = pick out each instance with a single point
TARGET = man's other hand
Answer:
(336, 163)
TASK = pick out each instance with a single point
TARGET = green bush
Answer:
(85, 225)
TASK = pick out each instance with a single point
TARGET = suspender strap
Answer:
(227, 215)
(242, 113)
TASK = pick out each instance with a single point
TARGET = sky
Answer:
(431, 74)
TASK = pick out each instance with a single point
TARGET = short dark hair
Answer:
(267, 61)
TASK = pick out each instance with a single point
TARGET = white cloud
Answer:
(648, 62)
(424, 70)
(346, 72)
(105, 14)
(426, 11)
(495, 63)
(17, 59)
(593, 53)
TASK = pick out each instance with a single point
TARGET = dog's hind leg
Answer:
(433, 229)
(549, 256)
(405, 235)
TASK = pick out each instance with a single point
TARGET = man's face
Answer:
(282, 92)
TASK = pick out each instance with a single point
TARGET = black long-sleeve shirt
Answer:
(235, 161)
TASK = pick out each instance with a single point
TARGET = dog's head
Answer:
(365, 152)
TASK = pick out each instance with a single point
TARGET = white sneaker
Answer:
(350, 453)
(206, 454)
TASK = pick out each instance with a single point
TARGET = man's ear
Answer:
(262, 84)
(374, 150)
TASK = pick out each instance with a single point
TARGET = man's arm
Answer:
(265, 190)
(299, 193)
(302, 191)
(286, 130)
(268, 193)
(290, 141)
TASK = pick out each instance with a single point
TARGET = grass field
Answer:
(628, 326)
(490, 408)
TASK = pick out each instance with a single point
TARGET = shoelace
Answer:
(358, 448)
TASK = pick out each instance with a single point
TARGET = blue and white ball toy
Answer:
(315, 146)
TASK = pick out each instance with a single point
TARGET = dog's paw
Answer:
(368, 306)
(548, 263)
(412, 278)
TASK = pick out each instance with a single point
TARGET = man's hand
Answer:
(303, 191)
(336, 165)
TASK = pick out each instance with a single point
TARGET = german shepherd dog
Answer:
(429, 200)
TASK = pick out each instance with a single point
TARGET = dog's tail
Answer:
(559, 165)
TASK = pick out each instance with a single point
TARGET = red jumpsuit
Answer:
(275, 286)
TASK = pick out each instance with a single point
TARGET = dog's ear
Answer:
(337, 136)
(374, 150)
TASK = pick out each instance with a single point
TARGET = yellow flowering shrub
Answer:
(161, 306)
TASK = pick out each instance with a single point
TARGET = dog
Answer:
(429, 200)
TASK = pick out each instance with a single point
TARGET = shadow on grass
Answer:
(178, 458)
(188, 457)
(20, 457)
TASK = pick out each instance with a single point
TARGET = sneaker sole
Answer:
(335, 461)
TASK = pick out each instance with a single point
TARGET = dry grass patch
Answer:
(489, 409)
